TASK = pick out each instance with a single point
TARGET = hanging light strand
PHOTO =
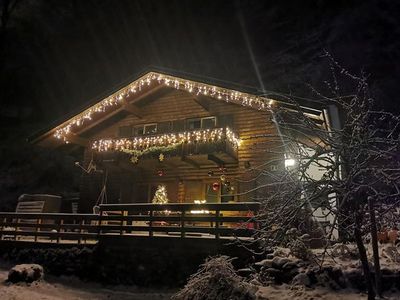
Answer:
(118, 98)
(165, 140)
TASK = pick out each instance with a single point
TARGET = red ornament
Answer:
(160, 173)
(215, 186)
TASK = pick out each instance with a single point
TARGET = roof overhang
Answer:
(124, 99)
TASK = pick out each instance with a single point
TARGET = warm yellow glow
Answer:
(289, 162)
(168, 139)
(117, 99)
(200, 211)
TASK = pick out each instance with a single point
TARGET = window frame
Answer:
(190, 120)
(201, 119)
(148, 125)
(207, 118)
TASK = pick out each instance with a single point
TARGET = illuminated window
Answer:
(150, 128)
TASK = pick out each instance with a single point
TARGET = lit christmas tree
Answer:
(160, 197)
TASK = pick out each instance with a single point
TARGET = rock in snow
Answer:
(301, 279)
(25, 273)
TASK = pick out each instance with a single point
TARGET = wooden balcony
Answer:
(196, 150)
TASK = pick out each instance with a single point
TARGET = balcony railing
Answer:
(201, 141)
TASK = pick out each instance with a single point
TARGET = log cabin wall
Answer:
(252, 126)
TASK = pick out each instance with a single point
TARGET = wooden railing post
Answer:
(38, 221)
(100, 222)
(151, 223)
(4, 220)
(217, 213)
(16, 229)
(81, 222)
(59, 230)
(183, 214)
(123, 223)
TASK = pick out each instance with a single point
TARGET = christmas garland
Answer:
(135, 154)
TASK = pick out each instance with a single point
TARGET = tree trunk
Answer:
(375, 249)
(363, 257)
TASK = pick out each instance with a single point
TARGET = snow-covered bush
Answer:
(216, 279)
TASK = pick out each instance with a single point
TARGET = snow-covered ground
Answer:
(286, 292)
(69, 288)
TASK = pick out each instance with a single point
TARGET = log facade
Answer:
(217, 170)
(195, 177)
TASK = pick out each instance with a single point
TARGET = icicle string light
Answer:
(117, 99)
(165, 140)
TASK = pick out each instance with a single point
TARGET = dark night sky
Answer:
(58, 55)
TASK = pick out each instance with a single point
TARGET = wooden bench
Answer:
(25, 207)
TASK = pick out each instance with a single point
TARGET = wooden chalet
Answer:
(204, 142)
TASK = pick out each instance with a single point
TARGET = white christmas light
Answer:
(117, 99)
(168, 139)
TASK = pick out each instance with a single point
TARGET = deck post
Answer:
(16, 229)
(59, 230)
(38, 221)
(100, 221)
(151, 223)
(2, 228)
(123, 223)
(217, 214)
(80, 231)
(183, 213)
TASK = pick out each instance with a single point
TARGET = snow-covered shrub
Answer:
(216, 279)
(299, 249)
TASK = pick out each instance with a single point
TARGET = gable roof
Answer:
(143, 85)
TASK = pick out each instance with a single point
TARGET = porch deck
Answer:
(217, 221)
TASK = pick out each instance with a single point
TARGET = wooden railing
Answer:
(218, 220)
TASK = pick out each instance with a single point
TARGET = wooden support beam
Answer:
(76, 139)
(190, 162)
(133, 109)
(215, 159)
(109, 114)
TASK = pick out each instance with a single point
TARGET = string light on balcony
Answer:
(166, 140)
(232, 138)
(118, 98)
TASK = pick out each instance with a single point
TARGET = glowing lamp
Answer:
(289, 162)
